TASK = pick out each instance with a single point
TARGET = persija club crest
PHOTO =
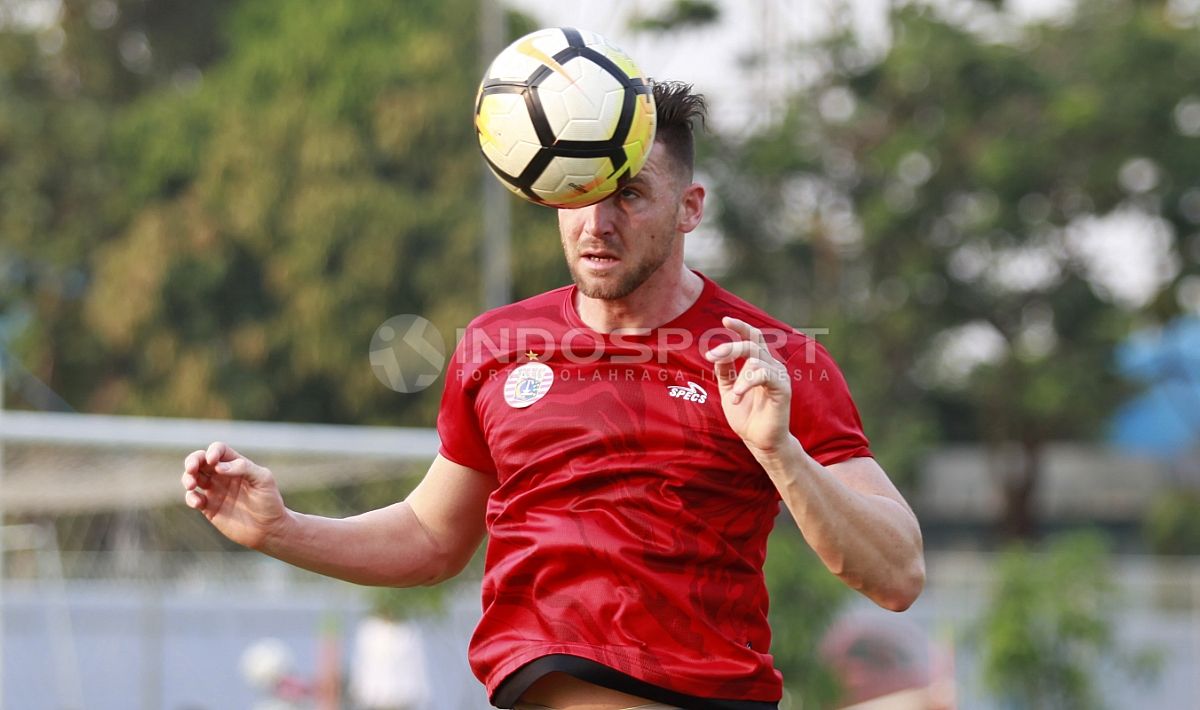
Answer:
(527, 384)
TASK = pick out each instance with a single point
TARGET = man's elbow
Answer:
(908, 580)
(443, 573)
(434, 566)
(906, 587)
(445, 565)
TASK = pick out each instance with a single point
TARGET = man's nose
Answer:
(598, 218)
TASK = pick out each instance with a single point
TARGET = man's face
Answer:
(615, 245)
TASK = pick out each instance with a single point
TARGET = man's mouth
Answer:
(598, 258)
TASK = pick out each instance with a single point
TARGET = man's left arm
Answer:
(849, 512)
(855, 520)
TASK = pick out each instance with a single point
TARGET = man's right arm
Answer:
(426, 538)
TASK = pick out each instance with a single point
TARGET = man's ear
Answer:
(691, 207)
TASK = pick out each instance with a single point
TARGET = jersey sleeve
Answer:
(458, 426)
(824, 418)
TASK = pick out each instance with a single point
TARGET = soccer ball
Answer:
(564, 117)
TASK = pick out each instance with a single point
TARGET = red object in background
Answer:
(292, 688)
(874, 656)
(327, 688)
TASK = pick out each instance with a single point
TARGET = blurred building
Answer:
(958, 495)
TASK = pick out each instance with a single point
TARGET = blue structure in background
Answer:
(1164, 420)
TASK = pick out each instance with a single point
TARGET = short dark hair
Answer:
(677, 108)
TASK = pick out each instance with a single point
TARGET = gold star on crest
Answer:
(532, 356)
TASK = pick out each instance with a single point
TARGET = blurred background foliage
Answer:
(1172, 524)
(951, 192)
(1048, 634)
(219, 234)
(206, 210)
(804, 597)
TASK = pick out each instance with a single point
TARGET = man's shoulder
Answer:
(730, 303)
(536, 311)
(726, 303)
(790, 338)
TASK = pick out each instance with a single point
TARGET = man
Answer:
(627, 508)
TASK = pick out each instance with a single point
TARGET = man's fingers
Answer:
(723, 356)
(220, 458)
(219, 451)
(240, 466)
(191, 464)
(757, 361)
(755, 342)
(726, 373)
(745, 330)
(752, 347)
(756, 373)
(728, 352)
(753, 374)
(195, 480)
(195, 500)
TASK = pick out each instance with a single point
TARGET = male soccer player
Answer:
(625, 442)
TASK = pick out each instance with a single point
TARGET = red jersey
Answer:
(630, 523)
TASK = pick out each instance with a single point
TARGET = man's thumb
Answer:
(242, 466)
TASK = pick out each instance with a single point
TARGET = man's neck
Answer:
(658, 301)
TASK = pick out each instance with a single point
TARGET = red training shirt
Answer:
(630, 523)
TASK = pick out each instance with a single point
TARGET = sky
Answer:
(714, 58)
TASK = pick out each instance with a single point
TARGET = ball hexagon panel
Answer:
(578, 114)
(506, 133)
(527, 55)
(573, 181)
(619, 58)
(640, 137)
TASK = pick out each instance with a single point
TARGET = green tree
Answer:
(680, 14)
(61, 86)
(1047, 634)
(1172, 522)
(946, 194)
(321, 177)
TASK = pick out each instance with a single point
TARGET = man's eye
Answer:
(627, 193)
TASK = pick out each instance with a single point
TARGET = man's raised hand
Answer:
(239, 497)
(757, 398)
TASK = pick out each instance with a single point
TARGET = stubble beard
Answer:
(611, 290)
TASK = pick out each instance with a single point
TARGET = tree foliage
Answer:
(945, 199)
(1172, 523)
(245, 231)
(680, 14)
(61, 88)
(1047, 634)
